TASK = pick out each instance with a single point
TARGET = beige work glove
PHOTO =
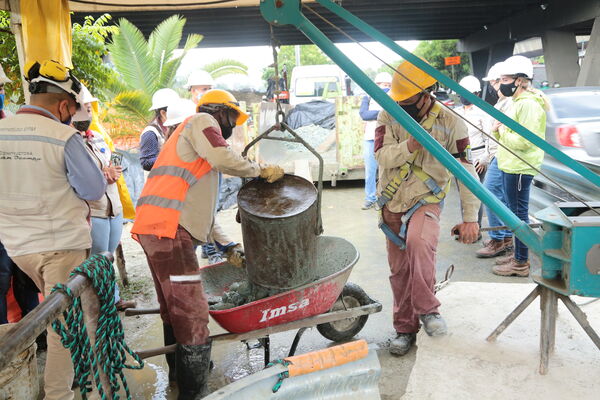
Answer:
(271, 173)
(235, 256)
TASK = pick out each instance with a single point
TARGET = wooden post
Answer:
(548, 308)
(17, 30)
(514, 314)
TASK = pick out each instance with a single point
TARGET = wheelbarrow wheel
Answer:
(339, 331)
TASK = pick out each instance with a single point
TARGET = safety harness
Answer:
(437, 194)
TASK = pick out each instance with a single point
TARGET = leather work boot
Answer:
(513, 267)
(434, 324)
(505, 259)
(402, 343)
(193, 367)
(492, 248)
(169, 338)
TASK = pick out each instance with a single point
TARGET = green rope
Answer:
(110, 350)
(282, 375)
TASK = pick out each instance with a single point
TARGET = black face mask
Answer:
(508, 90)
(226, 131)
(492, 95)
(412, 109)
(464, 101)
(82, 126)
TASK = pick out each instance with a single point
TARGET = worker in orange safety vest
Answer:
(175, 213)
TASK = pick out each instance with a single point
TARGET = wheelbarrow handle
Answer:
(283, 126)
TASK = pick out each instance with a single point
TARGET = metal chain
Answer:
(279, 113)
(451, 110)
(110, 350)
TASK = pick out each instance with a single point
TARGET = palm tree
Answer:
(225, 66)
(144, 66)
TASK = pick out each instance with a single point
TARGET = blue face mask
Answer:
(1, 101)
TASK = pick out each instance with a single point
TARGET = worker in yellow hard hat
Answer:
(412, 187)
(175, 212)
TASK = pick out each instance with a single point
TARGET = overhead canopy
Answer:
(239, 22)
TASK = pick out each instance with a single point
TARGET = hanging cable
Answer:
(579, 199)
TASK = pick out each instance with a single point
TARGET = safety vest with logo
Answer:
(39, 210)
(437, 194)
(161, 202)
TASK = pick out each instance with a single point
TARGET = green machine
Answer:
(569, 241)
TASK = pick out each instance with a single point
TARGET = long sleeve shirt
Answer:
(391, 152)
(150, 145)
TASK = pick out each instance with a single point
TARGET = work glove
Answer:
(235, 256)
(271, 173)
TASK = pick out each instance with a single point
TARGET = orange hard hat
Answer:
(218, 96)
(409, 80)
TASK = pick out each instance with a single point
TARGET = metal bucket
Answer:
(280, 226)
(19, 380)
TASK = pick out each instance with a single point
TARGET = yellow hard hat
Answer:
(403, 88)
(218, 96)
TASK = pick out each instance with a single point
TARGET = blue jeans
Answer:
(517, 193)
(106, 235)
(24, 290)
(494, 182)
(370, 171)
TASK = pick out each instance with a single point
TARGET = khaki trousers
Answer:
(46, 270)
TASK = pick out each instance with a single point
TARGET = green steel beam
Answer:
(284, 12)
(448, 82)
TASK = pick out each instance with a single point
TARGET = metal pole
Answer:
(24, 332)
(446, 81)
(520, 228)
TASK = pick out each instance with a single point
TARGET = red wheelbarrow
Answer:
(338, 309)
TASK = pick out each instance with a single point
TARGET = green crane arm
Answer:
(288, 12)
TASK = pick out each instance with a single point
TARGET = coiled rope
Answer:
(109, 351)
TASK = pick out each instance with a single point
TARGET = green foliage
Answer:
(225, 66)
(89, 48)
(434, 51)
(145, 66)
(10, 61)
(309, 55)
(88, 51)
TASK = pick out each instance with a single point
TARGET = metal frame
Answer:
(263, 334)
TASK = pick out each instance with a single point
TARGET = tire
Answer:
(345, 329)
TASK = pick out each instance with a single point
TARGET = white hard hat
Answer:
(494, 72)
(199, 78)
(383, 77)
(68, 86)
(163, 98)
(3, 78)
(179, 111)
(517, 65)
(470, 83)
(86, 95)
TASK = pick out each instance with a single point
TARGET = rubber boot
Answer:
(169, 340)
(193, 367)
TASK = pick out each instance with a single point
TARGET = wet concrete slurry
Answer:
(342, 217)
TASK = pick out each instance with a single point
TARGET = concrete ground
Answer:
(342, 217)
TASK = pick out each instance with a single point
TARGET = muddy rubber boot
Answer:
(193, 367)
(169, 340)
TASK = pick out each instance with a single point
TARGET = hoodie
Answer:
(528, 109)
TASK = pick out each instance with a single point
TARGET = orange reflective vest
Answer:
(159, 207)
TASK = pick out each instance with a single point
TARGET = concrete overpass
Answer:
(487, 29)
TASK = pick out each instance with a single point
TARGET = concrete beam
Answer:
(561, 57)
(532, 22)
(590, 73)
